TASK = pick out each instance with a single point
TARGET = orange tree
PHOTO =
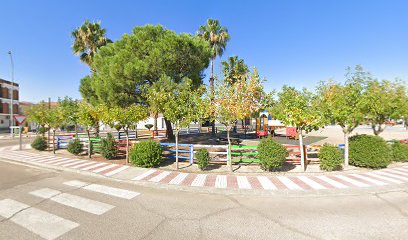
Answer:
(236, 100)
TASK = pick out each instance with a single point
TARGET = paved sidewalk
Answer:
(384, 177)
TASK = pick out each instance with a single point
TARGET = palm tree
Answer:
(88, 38)
(234, 68)
(217, 36)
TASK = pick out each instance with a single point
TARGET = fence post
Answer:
(191, 153)
(305, 155)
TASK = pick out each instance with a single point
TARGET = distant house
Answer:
(8, 89)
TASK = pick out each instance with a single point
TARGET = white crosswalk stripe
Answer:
(83, 165)
(159, 177)
(372, 174)
(221, 181)
(44, 224)
(199, 180)
(243, 182)
(104, 168)
(311, 183)
(178, 179)
(289, 183)
(73, 163)
(371, 180)
(332, 182)
(118, 170)
(116, 192)
(83, 204)
(397, 171)
(144, 175)
(93, 166)
(392, 175)
(266, 183)
(64, 162)
(352, 181)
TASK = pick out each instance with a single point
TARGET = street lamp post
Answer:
(12, 93)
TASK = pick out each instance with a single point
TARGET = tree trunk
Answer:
(346, 149)
(127, 145)
(169, 129)
(89, 144)
(76, 129)
(229, 160)
(177, 133)
(212, 93)
(377, 129)
(302, 153)
(155, 124)
(53, 141)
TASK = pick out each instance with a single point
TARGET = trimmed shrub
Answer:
(109, 148)
(271, 154)
(149, 126)
(75, 146)
(399, 152)
(330, 157)
(369, 151)
(39, 143)
(146, 154)
(203, 157)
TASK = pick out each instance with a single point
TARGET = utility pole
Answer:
(12, 93)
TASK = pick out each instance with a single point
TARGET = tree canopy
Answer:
(142, 58)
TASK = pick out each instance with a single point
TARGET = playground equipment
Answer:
(262, 124)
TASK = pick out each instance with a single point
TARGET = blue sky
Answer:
(298, 43)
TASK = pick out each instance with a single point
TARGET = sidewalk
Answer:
(265, 182)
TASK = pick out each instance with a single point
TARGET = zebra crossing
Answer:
(49, 225)
(384, 177)
(398, 175)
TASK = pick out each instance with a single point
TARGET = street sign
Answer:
(20, 119)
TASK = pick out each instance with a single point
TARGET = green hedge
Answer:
(203, 158)
(109, 148)
(39, 143)
(271, 154)
(75, 146)
(330, 157)
(369, 151)
(399, 152)
(146, 154)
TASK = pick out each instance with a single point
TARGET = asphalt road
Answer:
(44, 204)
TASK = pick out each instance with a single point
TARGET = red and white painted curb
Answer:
(398, 175)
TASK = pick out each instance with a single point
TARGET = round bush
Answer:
(330, 157)
(399, 152)
(369, 151)
(75, 146)
(146, 154)
(203, 157)
(271, 154)
(109, 148)
(39, 143)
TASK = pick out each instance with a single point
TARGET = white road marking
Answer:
(159, 177)
(118, 170)
(83, 165)
(9, 207)
(116, 192)
(93, 166)
(221, 181)
(44, 159)
(145, 174)
(16, 147)
(371, 180)
(46, 225)
(83, 204)
(397, 171)
(76, 183)
(199, 180)
(352, 181)
(266, 183)
(392, 175)
(104, 168)
(64, 162)
(289, 183)
(179, 178)
(311, 183)
(373, 174)
(73, 163)
(332, 182)
(243, 182)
